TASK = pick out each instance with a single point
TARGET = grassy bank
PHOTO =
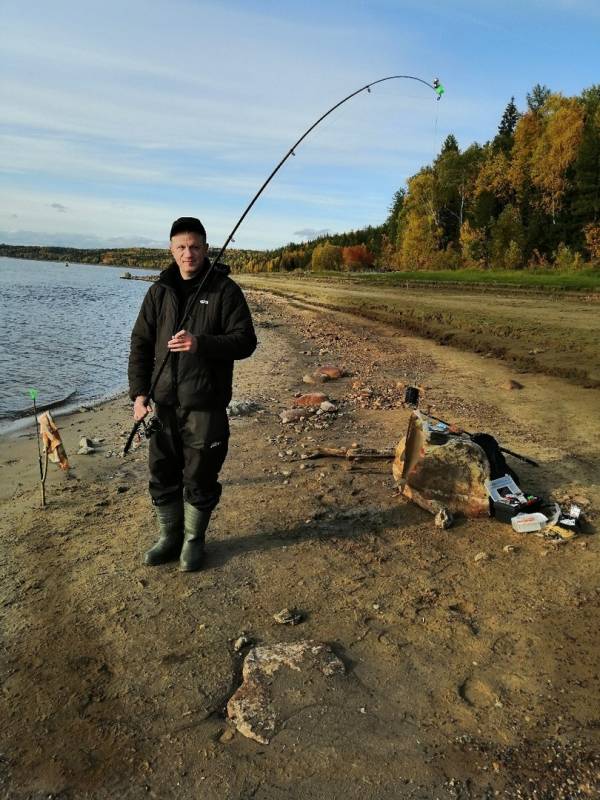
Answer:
(550, 332)
(584, 281)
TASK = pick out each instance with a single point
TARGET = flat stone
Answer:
(242, 408)
(312, 400)
(329, 372)
(295, 414)
(327, 408)
(267, 674)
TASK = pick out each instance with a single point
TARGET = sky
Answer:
(118, 117)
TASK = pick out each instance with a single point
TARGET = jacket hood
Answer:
(169, 275)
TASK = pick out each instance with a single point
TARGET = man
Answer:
(192, 394)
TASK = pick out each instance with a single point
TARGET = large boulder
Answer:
(438, 470)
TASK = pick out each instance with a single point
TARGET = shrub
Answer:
(592, 240)
(326, 256)
(513, 258)
(357, 257)
(473, 246)
(565, 260)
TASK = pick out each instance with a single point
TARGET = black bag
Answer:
(498, 465)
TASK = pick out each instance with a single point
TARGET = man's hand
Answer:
(141, 407)
(183, 342)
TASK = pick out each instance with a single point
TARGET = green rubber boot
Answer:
(195, 523)
(170, 525)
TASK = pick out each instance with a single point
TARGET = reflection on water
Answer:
(64, 329)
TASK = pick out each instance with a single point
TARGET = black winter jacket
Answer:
(220, 321)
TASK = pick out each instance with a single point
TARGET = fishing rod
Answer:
(435, 85)
(472, 436)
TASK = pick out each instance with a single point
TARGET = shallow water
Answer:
(65, 330)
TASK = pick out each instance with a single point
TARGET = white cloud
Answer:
(311, 233)
(192, 103)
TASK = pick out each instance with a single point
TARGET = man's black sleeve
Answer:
(238, 339)
(141, 353)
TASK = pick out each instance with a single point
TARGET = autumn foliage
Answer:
(357, 257)
(528, 198)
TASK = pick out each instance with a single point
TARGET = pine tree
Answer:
(450, 145)
(537, 98)
(509, 119)
(391, 223)
(504, 138)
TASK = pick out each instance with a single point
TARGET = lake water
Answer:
(65, 330)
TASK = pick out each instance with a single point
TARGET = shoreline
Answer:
(105, 421)
(12, 428)
(471, 647)
(80, 263)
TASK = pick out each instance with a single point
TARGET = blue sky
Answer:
(118, 117)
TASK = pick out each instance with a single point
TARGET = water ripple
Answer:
(64, 329)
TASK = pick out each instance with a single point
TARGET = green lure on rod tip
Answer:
(33, 393)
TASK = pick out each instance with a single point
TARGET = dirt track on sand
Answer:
(465, 679)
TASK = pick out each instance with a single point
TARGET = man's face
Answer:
(189, 251)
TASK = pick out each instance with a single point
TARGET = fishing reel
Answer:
(154, 425)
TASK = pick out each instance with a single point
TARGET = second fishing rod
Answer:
(437, 88)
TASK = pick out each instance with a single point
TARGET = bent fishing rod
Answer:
(435, 85)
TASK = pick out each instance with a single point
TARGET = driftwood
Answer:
(351, 453)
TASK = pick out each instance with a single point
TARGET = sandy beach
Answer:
(465, 676)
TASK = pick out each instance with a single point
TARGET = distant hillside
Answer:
(135, 257)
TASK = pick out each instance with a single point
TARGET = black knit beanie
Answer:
(187, 225)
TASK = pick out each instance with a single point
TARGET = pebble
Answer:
(444, 519)
(241, 642)
(327, 407)
(288, 616)
(511, 385)
(481, 557)
(242, 408)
